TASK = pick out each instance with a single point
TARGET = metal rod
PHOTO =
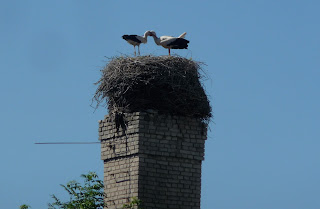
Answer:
(67, 143)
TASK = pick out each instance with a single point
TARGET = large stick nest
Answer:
(170, 85)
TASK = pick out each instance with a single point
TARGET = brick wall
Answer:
(157, 159)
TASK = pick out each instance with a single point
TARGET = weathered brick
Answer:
(158, 159)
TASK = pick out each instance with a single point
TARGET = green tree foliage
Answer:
(135, 203)
(24, 206)
(87, 196)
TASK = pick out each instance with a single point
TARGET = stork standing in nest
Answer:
(136, 40)
(170, 42)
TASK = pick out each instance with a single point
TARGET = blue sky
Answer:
(263, 62)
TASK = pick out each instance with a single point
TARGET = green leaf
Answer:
(88, 195)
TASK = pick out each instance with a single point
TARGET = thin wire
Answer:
(67, 143)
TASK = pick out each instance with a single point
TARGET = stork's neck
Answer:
(156, 39)
(145, 37)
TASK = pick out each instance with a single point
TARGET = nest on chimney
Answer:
(170, 85)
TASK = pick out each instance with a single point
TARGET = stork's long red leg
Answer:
(139, 50)
(169, 52)
(134, 50)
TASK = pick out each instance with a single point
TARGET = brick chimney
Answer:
(154, 157)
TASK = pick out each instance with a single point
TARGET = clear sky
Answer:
(263, 61)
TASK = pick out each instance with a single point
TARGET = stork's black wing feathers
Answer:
(179, 43)
(132, 38)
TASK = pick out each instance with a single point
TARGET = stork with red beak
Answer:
(136, 40)
(170, 42)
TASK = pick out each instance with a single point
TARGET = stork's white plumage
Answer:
(166, 37)
(136, 40)
(170, 42)
(183, 35)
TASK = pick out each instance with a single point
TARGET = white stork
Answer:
(136, 40)
(170, 42)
